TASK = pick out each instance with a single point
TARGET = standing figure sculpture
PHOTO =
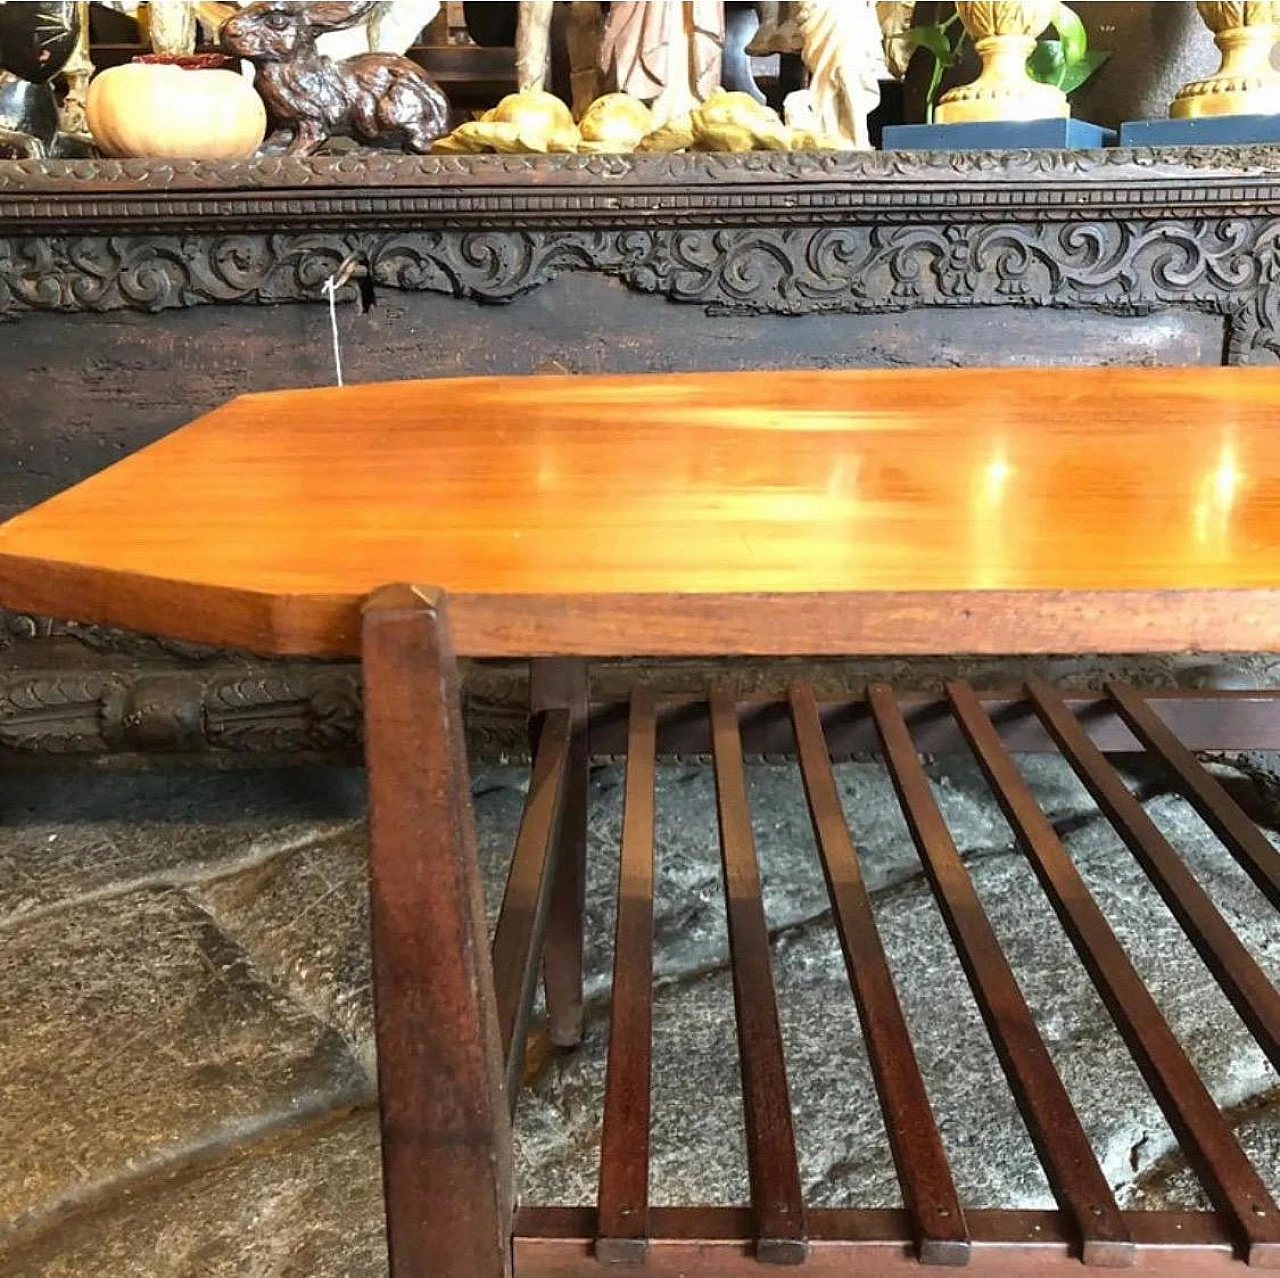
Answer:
(848, 47)
(664, 52)
(533, 48)
(842, 47)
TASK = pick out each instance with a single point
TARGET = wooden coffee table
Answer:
(1054, 511)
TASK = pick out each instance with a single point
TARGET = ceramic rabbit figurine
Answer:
(379, 98)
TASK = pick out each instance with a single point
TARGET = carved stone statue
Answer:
(533, 46)
(848, 47)
(664, 52)
(390, 26)
(843, 49)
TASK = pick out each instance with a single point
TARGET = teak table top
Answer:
(779, 512)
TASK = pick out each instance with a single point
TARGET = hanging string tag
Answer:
(348, 267)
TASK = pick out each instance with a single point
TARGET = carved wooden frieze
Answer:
(271, 710)
(1226, 265)
(233, 713)
(784, 234)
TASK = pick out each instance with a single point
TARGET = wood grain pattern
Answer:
(944, 510)
(1202, 1130)
(1069, 1163)
(623, 1199)
(446, 1133)
(555, 1242)
(941, 1236)
(777, 1197)
(526, 902)
(564, 685)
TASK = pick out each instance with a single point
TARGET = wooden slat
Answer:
(1230, 1179)
(1252, 995)
(555, 1242)
(1069, 1162)
(776, 1195)
(1201, 720)
(1164, 1232)
(563, 685)
(517, 941)
(623, 1224)
(928, 1190)
(1242, 838)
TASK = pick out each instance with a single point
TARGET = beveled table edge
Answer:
(843, 623)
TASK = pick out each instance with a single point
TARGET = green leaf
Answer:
(1048, 63)
(1075, 40)
(1078, 72)
(933, 38)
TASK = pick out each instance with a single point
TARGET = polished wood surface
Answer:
(1012, 510)
(447, 1159)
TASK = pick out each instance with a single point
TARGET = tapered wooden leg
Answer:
(446, 1134)
(555, 684)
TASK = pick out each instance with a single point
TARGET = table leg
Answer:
(446, 1134)
(557, 683)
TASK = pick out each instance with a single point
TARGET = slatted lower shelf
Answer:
(934, 1228)
(562, 1242)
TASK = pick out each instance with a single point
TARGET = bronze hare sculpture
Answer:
(380, 98)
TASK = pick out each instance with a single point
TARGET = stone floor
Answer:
(185, 1045)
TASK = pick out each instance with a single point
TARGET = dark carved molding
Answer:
(1227, 265)
(781, 233)
(385, 192)
(268, 710)
(228, 714)
(19, 627)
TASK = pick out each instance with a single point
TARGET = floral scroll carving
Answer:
(1227, 265)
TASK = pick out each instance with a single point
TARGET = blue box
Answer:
(1206, 130)
(1061, 134)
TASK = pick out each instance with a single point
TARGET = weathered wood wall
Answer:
(80, 391)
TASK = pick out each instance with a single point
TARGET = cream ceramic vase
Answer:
(1004, 35)
(1245, 83)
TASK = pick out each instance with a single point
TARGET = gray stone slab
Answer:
(308, 1205)
(304, 914)
(1170, 1181)
(134, 1033)
(304, 917)
(698, 1146)
(76, 833)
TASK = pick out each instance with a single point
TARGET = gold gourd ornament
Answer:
(614, 123)
(532, 121)
(1004, 35)
(1246, 83)
(528, 122)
